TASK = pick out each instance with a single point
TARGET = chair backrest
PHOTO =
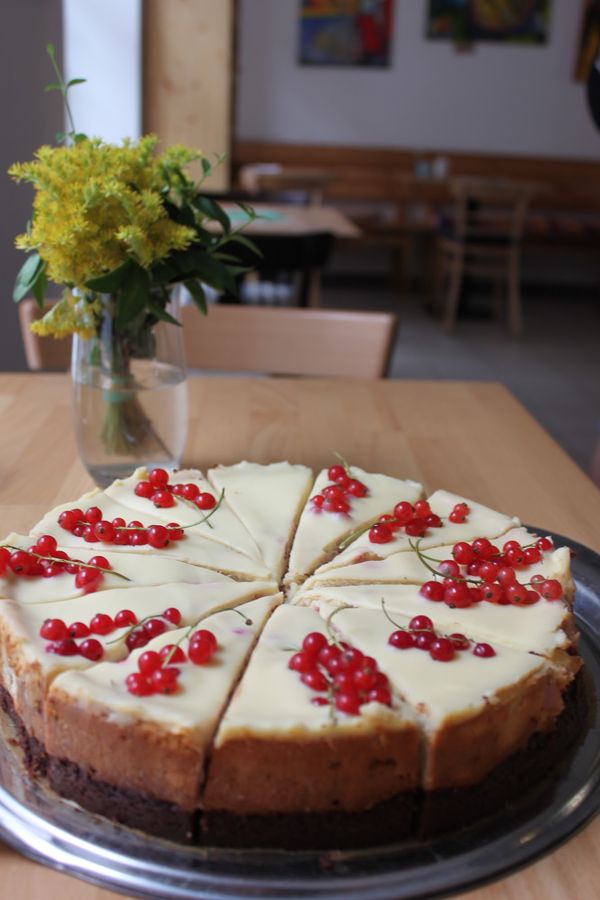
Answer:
(308, 183)
(265, 340)
(487, 208)
(289, 341)
(50, 354)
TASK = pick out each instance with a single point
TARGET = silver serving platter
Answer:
(61, 835)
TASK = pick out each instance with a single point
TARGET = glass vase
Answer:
(130, 395)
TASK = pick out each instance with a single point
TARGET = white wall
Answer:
(102, 43)
(512, 99)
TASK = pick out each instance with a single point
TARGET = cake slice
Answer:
(268, 500)
(195, 547)
(98, 731)
(479, 521)
(126, 570)
(284, 751)
(476, 710)
(321, 527)
(412, 567)
(546, 628)
(30, 662)
(221, 524)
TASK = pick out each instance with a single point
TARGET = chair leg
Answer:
(515, 314)
(453, 295)
(439, 266)
(498, 298)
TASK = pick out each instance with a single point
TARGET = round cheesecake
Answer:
(262, 657)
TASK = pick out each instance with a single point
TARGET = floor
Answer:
(554, 369)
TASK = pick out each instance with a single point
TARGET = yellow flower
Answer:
(69, 315)
(97, 205)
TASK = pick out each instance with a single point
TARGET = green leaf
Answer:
(75, 81)
(244, 241)
(198, 295)
(133, 296)
(211, 209)
(27, 276)
(160, 312)
(79, 136)
(206, 166)
(53, 87)
(111, 281)
(39, 287)
(60, 137)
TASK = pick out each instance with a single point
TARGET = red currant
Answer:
(91, 649)
(314, 642)
(432, 590)
(403, 512)
(381, 534)
(348, 702)
(442, 650)
(401, 640)
(125, 618)
(105, 531)
(158, 536)
(164, 681)
(315, 680)
(154, 627)
(20, 562)
(172, 615)
(148, 662)
(380, 695)
(551, 589)
(206, 501)
(138, 685)
(144, 489)
(46, 545)
(356, 488)
(158, 478)
(79, 630)
(163, 499)
(420, 623)
(302, 662)
(483, 650)
(93, 515)
(176, 653)
(53, 630)
(102, 624)
(463, 553)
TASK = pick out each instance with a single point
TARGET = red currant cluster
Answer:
(422, 635)
(63, 638)
(158, 489)
(92, 527)
(157, 675)
(481, 571)
(335, 497)
(44, 560)
(344, 673)
(414, 519)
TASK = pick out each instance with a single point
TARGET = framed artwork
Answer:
(589, 41)
(345, 32)
(506, 21)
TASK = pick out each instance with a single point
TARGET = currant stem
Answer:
(64, 562)
(344, 462)
(204, 520)
(333, 639)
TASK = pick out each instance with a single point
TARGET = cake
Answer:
(259, 657)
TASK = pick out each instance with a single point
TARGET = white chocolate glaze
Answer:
(319, 532)
(196, 548)
(148, 569)
(223, 526)
(268, 500)
(437, 690)
(202, 690)
(272, 700)
(481, 522)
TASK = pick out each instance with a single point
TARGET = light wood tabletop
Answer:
(294, 219)
(469, 437)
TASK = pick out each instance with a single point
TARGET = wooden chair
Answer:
(235, 338)
(484, 238)
(289, 341)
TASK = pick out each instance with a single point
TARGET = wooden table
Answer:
(291, 219)
(472, 438)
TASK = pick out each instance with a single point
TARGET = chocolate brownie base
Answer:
(131, 808)
(36, 758)
(387, 822)
(527, 774)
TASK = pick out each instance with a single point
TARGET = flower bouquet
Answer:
(118, 227)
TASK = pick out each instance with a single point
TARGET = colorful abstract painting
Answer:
(466, 21)
(345, 32)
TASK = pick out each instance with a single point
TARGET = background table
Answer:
(471, 438)
(294, 219)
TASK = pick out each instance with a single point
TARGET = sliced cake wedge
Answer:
(333, 514)
(98, 730)
(34, 652)
(268, 500)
